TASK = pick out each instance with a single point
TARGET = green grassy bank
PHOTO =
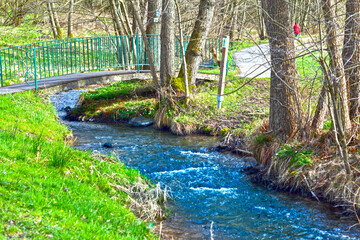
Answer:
(49, 190)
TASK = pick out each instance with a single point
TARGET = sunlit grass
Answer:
(49, 190)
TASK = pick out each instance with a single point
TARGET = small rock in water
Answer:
(108, 145)
(141, 121)
(67, 109)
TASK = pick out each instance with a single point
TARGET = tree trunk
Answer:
(336, 66)
(234, 22)
(334, 75)
(167, 42)
(186, 81)
(70, 22)
(59, 33)
(320, 112)
(197, 39)
(124, 18)
(146, 42)
(152, 27)
(116, 19)
(285, 105)
(351, 55)
(51, 19)
(262, 16)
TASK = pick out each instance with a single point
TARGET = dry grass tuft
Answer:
(324, 178)
(146, 200)
(183, 129)
(161, 119)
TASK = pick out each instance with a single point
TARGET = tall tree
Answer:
(167, 42)
(351, 54)
(285, 105)
(197, 39)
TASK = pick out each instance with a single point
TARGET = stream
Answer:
(212, 197)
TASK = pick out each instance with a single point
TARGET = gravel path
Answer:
(253, 61)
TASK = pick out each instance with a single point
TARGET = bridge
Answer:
(56, 62)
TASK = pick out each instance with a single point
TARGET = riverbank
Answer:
(49, 190)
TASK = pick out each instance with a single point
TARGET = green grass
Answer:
(297, 155)
(117, 102)
(48, 189)
(243, 109)
(27, 113)
(24, 34)
(116, 90)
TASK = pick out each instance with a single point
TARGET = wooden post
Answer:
(223, 65)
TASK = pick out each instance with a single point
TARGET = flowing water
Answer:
(212, 197)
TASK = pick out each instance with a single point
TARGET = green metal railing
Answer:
(13, 61)
(91, 54)
(67, 56)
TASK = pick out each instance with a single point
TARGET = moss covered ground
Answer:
(49, 190)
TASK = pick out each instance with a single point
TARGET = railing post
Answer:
(1, 72)
(99, 52)
(138, 52)
(35, 74)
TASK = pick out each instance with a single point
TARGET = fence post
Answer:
(223, 66)
(99, 53)
(1, 72)
(35, 74)
(138, 52)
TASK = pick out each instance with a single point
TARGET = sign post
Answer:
(223, 67)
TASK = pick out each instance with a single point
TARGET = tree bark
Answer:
(59, 33)
(351, 55)
(116, 19)
(146, 42)
(336, 66)
(320, 112)
(51, 19)
(167, 42)
(152, 27)
(335, 77)
(197, 39)
(70, 19)
(186, 81)
(285, 105)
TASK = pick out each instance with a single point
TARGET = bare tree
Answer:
(351, 54)
(335, 77)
